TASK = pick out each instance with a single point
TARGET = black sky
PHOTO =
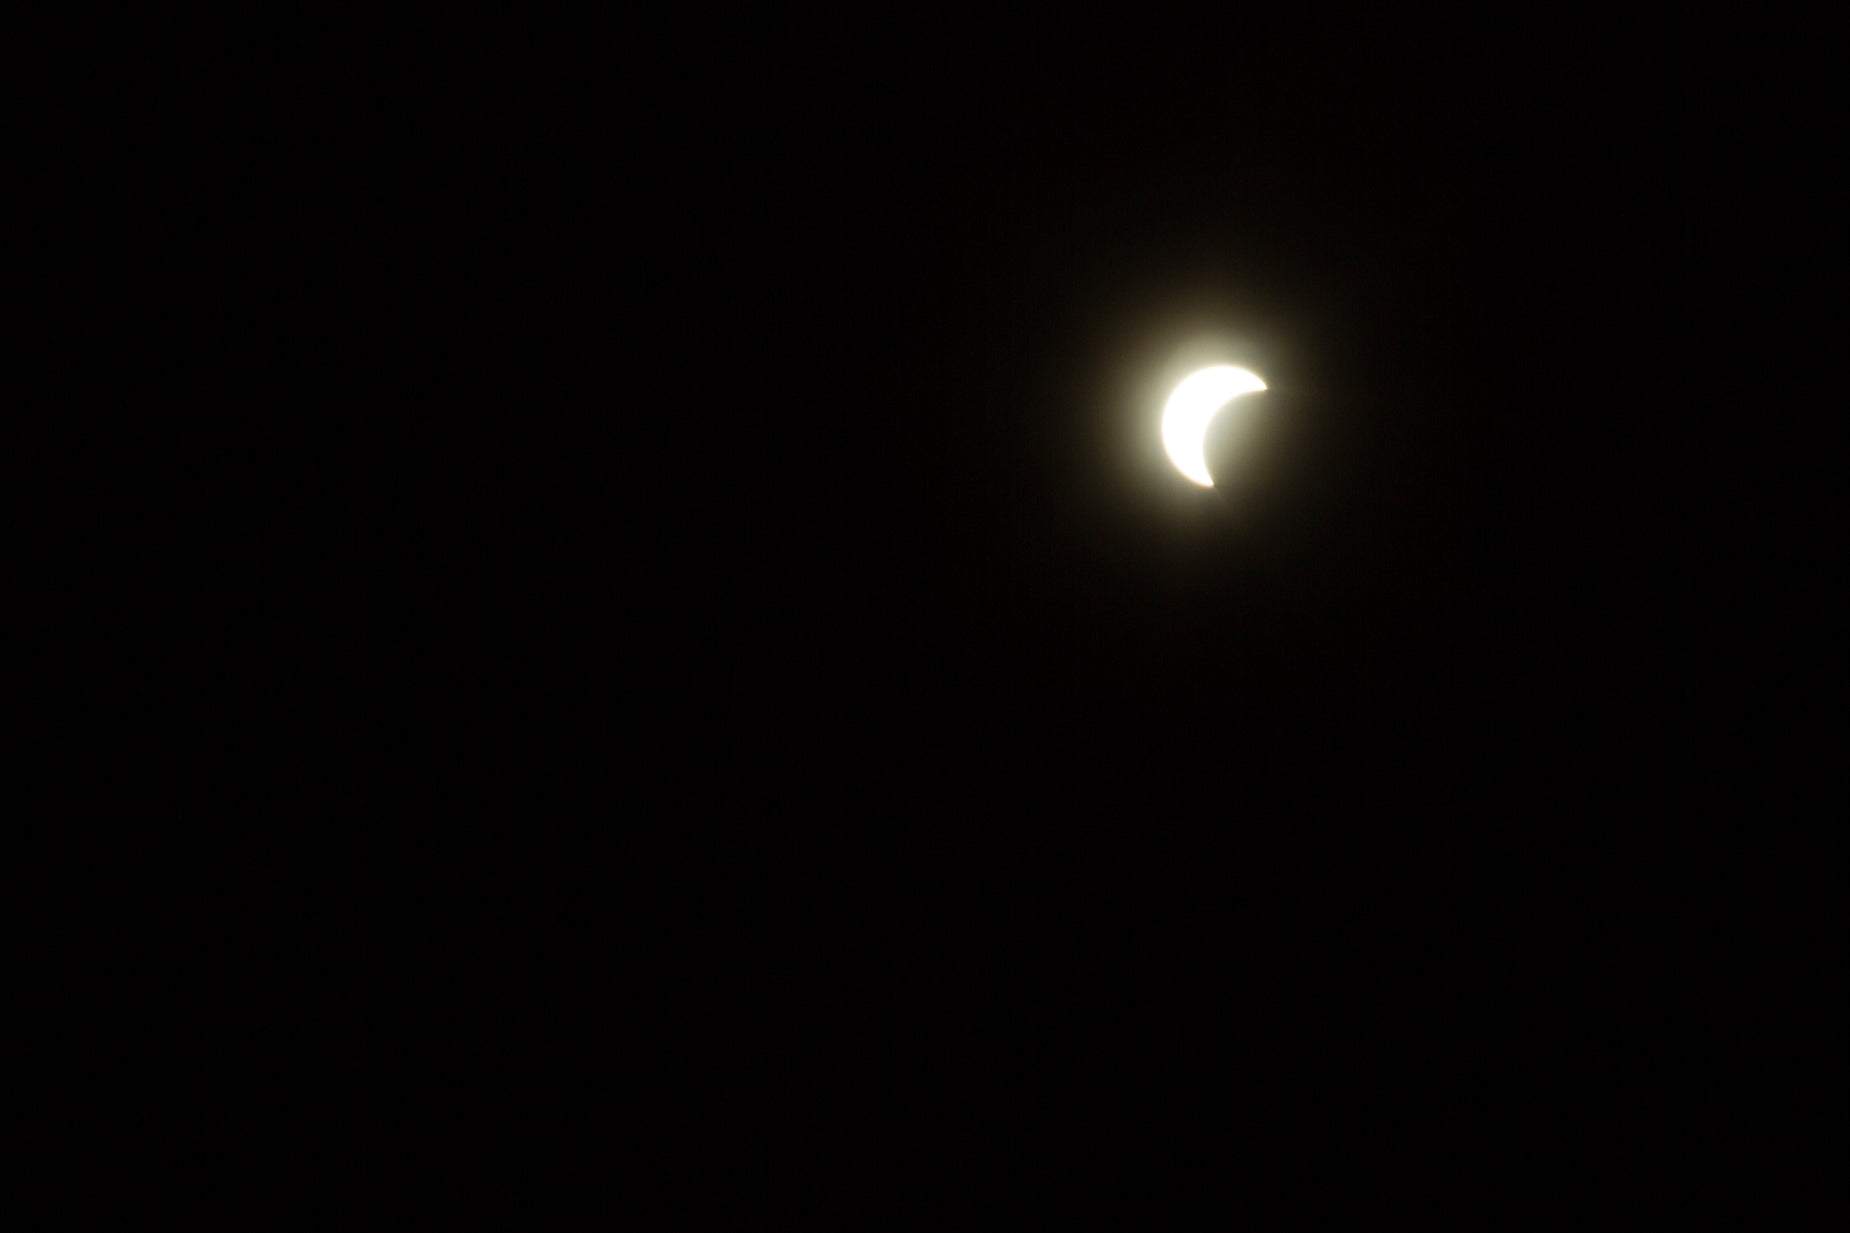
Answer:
(771, 525)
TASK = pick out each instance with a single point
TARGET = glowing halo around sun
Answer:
(1192, 407)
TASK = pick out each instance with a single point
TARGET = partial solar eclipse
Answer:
(1192, 407)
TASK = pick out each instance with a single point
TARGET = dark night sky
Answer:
(772, 518)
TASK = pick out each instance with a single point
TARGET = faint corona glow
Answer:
(1194, 404)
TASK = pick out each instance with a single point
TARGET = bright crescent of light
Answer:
(1195, 402)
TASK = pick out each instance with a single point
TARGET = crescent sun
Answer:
(1192, 407)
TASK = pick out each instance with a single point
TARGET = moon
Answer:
(1193, 405)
